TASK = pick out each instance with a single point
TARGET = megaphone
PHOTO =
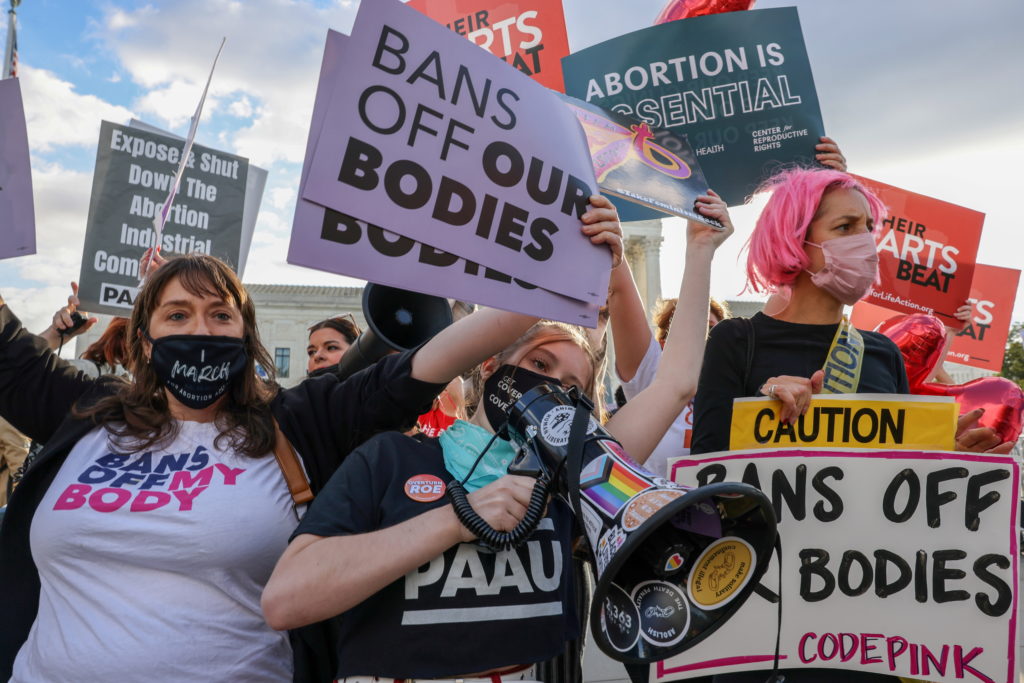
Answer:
(398, 319)
(673, 563)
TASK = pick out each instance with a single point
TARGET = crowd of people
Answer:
(157, 531)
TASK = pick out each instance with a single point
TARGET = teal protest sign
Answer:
(738, 84)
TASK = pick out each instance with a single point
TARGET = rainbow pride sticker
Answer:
(609, 484)
(673, 563)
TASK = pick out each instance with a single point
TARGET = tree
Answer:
(1013, 361)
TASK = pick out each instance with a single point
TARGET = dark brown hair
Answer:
(343, 324)
(138, 413)
(112, 347)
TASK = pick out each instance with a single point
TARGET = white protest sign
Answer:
(902, 563)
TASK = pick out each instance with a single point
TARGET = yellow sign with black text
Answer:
(848, 421)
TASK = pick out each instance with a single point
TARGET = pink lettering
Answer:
(960, 663)
(866, 647)
(73, 497)
(230, 473)
(803, 639)
(927, 657)
(185, 480)
(894, 653)
(150, 500)
(847, 653)
(185, 498)
(97, 502)
(827, 638)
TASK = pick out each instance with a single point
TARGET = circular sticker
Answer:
(557, 423)
(664, 612)
(424, 488)
(620, 620)
(720, 572)
(643, 506)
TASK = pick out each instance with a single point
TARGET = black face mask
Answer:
(505, 387)
(197, 368)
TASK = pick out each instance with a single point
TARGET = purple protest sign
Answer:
(330, 241)
(428, 135)
(17, 212)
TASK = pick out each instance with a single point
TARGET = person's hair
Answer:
(343, 324)
(665, 309)
(541, 333)
(775, 254)
(138, 414)
(112, 346)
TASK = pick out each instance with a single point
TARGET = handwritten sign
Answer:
(902, 563)
(429, 136)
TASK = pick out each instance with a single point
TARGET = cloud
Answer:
(268, 70)
(58, 116)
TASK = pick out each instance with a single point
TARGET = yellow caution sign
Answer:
(848, 421)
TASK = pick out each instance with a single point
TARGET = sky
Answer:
(927, 95)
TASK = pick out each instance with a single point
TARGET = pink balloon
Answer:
(683, 9)
(921, 339)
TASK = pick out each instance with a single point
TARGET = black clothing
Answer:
(780, 348)
(467, 610)
(323, 418)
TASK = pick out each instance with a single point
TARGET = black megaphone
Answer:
(398, 320)
(673, 563)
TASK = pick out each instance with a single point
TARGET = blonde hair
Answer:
(543, 332)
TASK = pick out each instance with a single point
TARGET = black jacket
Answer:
(323, 418)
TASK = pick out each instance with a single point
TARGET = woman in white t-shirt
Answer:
(138, 543)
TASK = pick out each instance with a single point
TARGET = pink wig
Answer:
(775, 254)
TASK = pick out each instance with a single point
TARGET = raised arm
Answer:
(641, 423)
(472, 340)
(630, 331)
(59, 331)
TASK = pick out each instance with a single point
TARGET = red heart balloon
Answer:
(682, 9)
(1001, 398)
(921, 339)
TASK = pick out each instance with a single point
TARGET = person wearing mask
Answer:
(399, 567)
(138, 543)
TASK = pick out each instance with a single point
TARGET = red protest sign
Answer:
(982, 342)
(926, 251)
(528, 34)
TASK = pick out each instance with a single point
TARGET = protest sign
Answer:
(982, 342)
(654, 168)
(17, 211)
(428, 136)
(255, 183)
(528, 34)
(902, 563)
(738, 84)
(335, 242)
(848, 421)
(926, 253)
(134, 172)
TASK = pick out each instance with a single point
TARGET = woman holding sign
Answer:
(383, 548)
(813, 249)
(138, 543)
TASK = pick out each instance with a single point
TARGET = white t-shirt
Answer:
(676, 441)
(152, 564)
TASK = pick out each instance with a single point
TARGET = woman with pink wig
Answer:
(813, 250)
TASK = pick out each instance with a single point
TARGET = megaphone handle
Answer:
(574, 457)
(491, 537)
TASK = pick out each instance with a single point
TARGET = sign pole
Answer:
(12, 19)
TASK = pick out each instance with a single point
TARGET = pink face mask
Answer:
(851, 267)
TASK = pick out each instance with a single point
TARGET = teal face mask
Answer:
(463, 443)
